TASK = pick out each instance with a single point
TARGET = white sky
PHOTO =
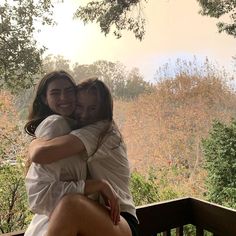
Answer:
(174, 30)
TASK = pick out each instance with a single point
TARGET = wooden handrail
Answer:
(164, 216)
(17, 233)
(159, 217)
(213, 217)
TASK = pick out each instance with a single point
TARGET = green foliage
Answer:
(133, 86)
(119, 14)
(20, 57)
(151, 188)
(14, 213)
(217, 9)
(220, 157)
(144, 190)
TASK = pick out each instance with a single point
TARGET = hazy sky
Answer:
(174, 29)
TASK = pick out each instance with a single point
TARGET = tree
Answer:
(81, 72)
(113, 74)
(12, 140)
(220, 151)
(13, 201)
(120, 15)
(144, 190)
(117, 14)
(122, 83)
(57, 62)
(20, 58)
(136, 85)
(219, 8)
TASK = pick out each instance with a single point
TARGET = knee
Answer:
(71, 202)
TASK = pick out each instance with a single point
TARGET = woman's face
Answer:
(61, 97)
(87, 108)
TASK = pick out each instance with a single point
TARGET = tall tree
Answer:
(113, 74)
(219, 8)
(20, 58)
(136, 85)
(122, 83)
(57, 62)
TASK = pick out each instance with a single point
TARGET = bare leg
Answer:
(78, 215)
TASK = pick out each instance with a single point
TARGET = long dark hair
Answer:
(105, 103)
(39, 110)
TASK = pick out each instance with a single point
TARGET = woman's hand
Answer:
(34, 150)
(112, 201)
(109, 195)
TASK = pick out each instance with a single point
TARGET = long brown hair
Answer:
(100, 89)
(39, 110)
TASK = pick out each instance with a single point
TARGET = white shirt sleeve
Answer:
(45, 190)
(53, 126)
(43, 184)
(89, 135)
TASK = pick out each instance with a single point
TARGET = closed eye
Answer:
(54, 93)
(70, 90)
(93, 108)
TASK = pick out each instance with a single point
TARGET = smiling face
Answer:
(87, 108)
(60, 97)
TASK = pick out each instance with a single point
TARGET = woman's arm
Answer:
(47, 151)
(44, 149)
(51, 149)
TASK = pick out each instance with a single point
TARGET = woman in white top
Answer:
(107, 159)
(46, 184)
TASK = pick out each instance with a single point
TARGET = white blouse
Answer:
(47, 184)
(109, 162)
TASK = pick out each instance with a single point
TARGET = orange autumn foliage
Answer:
(11, 135)
(163, 130)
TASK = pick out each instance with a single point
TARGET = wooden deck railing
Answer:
(164, 217)
(204, 216)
